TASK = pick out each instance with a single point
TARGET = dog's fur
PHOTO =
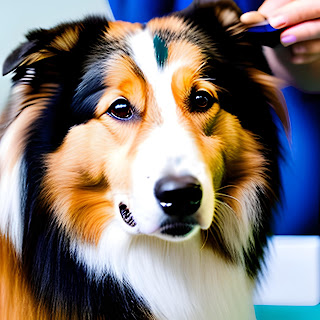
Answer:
(99, 113)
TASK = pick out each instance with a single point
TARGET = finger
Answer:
(309, 30)
(309, 47)
(265, 9)
(305, 58)
(294, 13)
(252, 17)
(269, 6)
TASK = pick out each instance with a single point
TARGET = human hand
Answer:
(301, 18)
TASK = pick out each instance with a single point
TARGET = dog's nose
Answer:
(179, 196)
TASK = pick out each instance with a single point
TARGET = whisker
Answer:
(205, 239)
(228, 196)
(222, 203)
(227, 186)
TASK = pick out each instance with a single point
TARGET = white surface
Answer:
(17, 17)
(292, 273)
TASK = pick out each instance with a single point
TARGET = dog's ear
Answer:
(61, 40)
(17, 57)
(220, 20)
(212, 14)
(42, 44)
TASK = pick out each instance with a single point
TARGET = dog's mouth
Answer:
(177, 228)
(126, 215)
(171, 227)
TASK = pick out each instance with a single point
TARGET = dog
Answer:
(138, 169)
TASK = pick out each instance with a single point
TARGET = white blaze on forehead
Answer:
(159, 78)
(143, 51)
(169, 148)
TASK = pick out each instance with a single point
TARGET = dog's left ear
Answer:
(220, 20)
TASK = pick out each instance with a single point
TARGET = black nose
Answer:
(179, 196)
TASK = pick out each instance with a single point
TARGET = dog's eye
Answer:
(121, 109)
(201, 100)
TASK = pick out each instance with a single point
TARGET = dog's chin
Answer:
(172, 229)
(177, 231)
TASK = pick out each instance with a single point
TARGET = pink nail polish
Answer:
(287, 40)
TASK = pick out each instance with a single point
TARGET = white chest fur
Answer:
(179, 280)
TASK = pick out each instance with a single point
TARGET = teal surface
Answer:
(287, 313)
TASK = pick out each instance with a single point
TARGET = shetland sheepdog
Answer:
(138, 169)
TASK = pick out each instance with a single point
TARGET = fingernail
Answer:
(277, 22)
(287, 40)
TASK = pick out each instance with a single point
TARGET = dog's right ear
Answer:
(62, 40)
(42, 44)
(18, 56)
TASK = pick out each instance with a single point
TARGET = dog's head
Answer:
(163, 128)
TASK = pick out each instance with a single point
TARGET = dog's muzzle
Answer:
(180, 198)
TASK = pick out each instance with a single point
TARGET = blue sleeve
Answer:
(141, 10)
(248, 5)
(144, 10)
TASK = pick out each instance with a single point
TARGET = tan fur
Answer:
(13, 107)
(76, 183)
(17, 131)
(67, 40)
(123, 80)
(173, 24)
(64, 42)
(118, 30)
(16, 299)
(191, 73)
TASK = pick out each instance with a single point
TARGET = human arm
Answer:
(297, 59)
